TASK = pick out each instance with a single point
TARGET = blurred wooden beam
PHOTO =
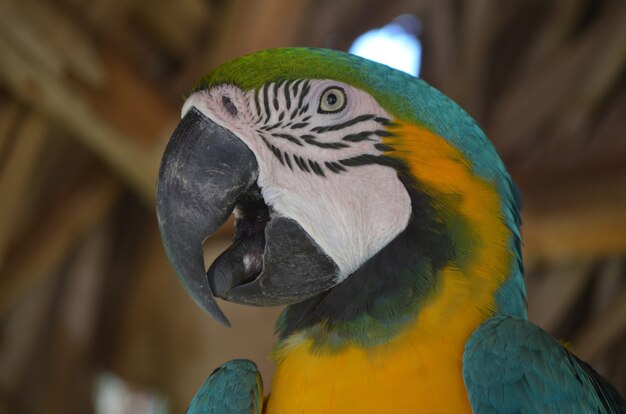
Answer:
(46, 241)
(62, 37)
(70, 346)
(608, 281)
(576, 218)
(603, 331)
(255, 26)
(523, 116)
(51, 96)
(478, 27)
(439, 43)
(126, 121)
(16, 175)
(562, 21)
(550, 300)
(135, 107)
(10, 113)
(599, 84)
(618, 377)
(17, 30)
(175, 25)
(597, 342)
(245, 27)
(595, 152)
(21, 330)
(336, 24)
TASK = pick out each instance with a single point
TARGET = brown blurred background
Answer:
(91, 89)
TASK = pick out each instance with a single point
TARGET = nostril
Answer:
(229, 106)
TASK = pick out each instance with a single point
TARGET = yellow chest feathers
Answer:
(417, 372)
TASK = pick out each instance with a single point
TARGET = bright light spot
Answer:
(390, 45)
(114, 396)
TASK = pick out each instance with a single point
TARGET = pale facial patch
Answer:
(323, 170)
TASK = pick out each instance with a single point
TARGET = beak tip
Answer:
(223, 320)
(216, 313)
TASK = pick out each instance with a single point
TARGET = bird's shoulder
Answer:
(512, 366)
(234, 387)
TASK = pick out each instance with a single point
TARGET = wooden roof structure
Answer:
(91, 90)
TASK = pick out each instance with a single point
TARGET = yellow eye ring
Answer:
(333, 100)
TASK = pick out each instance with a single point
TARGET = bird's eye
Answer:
(333, 100)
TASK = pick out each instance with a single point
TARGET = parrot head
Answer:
(325, 159)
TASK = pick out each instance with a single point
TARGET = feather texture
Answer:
(511, 366)
(233, 388)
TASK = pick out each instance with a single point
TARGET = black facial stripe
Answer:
(279, 155)
(368, 159)
(383, 147)
(266, 104)
(299, 125)
(303, 109)
(296, 87)
(256, 102)
(300, 88)
(337, 127)
(383, 121)
(361, 136)
(276, 88)
(305, 91)
(287, 94)
(317, 169)
(338, 166)
(288, 161)
(294, 113)
(301, 163)
(270, 127)
(288, 137)
(383, 133)
(332, 166)
(310, 139)
(277, 152)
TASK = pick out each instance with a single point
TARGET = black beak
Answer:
(205, 168)
(206, 173)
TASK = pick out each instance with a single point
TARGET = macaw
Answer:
(378, 211)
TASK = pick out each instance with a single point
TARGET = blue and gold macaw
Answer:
(376, 209)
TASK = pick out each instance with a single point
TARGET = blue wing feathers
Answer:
(511, 366)
(607, 394)
(233, 388)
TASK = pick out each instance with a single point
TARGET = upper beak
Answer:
(205, 168)
(205, 173)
